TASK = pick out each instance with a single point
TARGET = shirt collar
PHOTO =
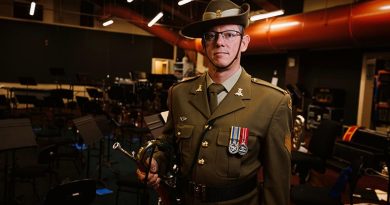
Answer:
(228, 83)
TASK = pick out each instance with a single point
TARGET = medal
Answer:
(234, 139)
(243, 148)
(233, 148)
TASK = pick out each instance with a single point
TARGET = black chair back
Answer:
(79, 192)
(324, 137)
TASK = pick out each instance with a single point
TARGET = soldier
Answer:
(224, 137)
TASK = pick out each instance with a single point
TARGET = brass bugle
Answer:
(118, 146)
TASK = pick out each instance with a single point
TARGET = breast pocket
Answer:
(227, 165)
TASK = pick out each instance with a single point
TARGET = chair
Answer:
(133, 186)
(320, 149)
(306, 194)
(42, 168)
(5, 107)
(79, 192)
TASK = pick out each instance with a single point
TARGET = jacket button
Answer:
(178, 133)
(201, 161)
(205, 144)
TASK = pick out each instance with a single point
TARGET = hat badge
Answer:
(218, 13)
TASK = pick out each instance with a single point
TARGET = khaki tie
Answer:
(214, 90)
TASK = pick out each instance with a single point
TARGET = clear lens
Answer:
(226, 35)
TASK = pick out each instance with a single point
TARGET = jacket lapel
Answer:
(198, 96)
(234, 99)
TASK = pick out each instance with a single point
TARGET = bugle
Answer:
(167, 189)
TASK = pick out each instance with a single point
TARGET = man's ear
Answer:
(203, 44)
(245, 42)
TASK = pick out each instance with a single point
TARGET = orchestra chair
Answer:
(320, 149)
(78, 192)
(307, 194)
(133, 186)
(65, 147)
(42, 168)
(5, 107)
(87, 106)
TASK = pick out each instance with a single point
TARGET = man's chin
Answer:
(221, 68)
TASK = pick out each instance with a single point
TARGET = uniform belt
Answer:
(212, 194)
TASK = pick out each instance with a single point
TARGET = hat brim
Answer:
(197, 29)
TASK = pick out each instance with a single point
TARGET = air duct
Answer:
(365, 24)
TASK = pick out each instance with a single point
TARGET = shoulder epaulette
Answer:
(265, 83)
(188, 79)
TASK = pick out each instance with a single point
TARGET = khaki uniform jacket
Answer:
(252, 103)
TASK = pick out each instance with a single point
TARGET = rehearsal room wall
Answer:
(31, 49)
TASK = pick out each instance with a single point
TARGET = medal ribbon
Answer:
(244, 135)
(234, 135)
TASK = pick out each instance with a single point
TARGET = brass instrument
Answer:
(297, 135)
(143, 156)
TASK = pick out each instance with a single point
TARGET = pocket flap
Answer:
(184, 131)
(223, 138)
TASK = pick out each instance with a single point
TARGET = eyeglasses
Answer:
(228, 35)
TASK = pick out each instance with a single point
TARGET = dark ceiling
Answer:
(176, 16)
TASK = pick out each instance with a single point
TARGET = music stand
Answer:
(79, 192)
(62, 93)
(28, 81)
(94, 93)
(90, 133)
(57, 72)
(155, 123)
(14, 134)
(105, 126)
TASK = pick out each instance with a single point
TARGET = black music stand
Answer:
(27, 81)
(57, 72)
(82, 79)
(94, 93)
(27, 99)
(14, 134)
(90, 133)
(105, 126)
(155, 123)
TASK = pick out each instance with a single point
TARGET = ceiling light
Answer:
(283, 25)
(182, 2)
(108, 22)
(155, 19)
(267, 15)
(129, 1)
(386, 7)
(32, 8)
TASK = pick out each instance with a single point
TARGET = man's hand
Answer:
(153, 179)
